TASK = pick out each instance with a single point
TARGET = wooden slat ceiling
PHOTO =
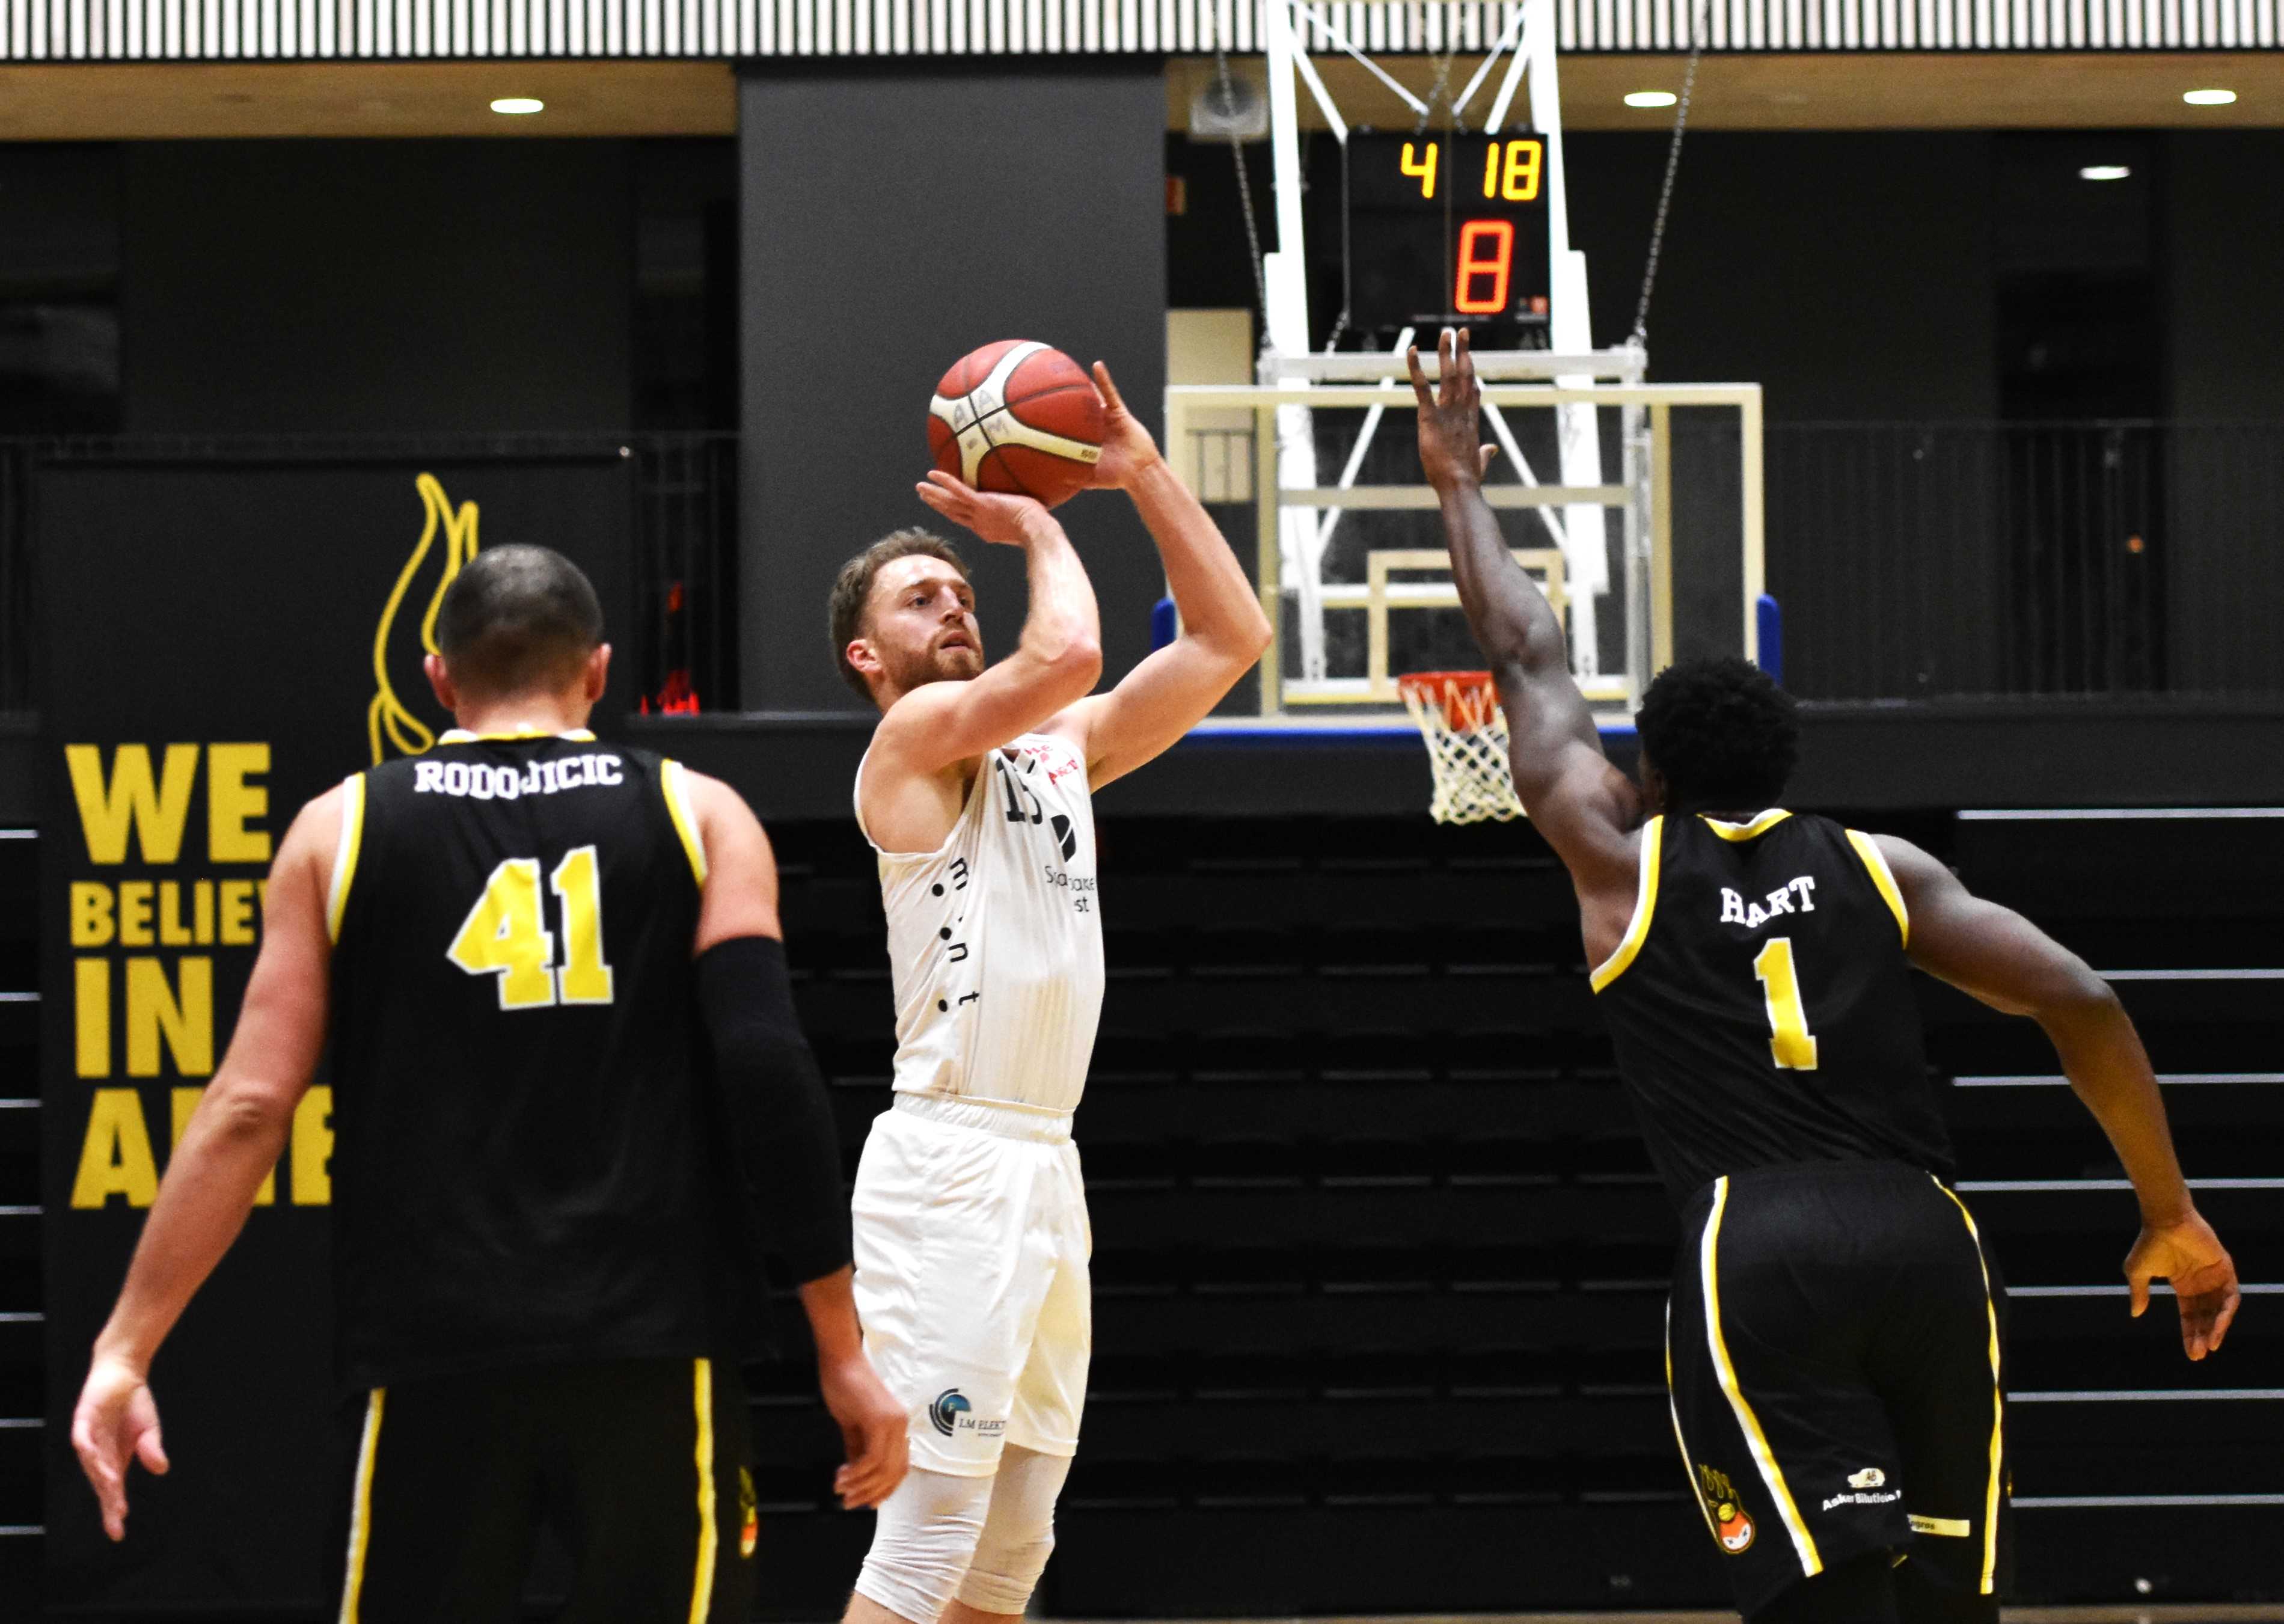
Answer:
(1825, 91)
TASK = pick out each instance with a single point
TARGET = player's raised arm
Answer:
(1056, 662)
(1223, 628)
(778, 1122)
(1582, 805)
(1993, 953)
(230, 1145)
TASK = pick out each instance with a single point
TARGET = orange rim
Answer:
(1467, 697)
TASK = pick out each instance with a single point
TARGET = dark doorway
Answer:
(2080, 376)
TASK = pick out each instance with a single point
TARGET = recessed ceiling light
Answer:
(2104, 171)
(1651, 99)
(2209, 98)
(519, 105)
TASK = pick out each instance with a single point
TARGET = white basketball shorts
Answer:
(972, 1247)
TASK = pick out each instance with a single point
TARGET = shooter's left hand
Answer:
(1128, 451)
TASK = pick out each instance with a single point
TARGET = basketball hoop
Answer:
(1460, 716)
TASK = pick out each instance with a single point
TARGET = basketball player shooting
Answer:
(971, 1227)
(541, 1264)
(1834, 1337)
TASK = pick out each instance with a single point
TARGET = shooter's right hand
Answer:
(2190, 1255)
(873, 1431)
(995, 516)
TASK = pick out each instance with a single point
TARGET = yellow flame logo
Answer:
(387, 714)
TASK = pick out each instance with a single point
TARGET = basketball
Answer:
(1017, 416)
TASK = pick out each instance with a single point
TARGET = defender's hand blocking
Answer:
(115, 1425)
(1128, 451)
(2190, 1256)
(1450, 434)
(1007, 521)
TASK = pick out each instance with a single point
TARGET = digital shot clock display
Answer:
(1446, 230)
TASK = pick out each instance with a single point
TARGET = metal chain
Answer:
(1244, 187)
(1672, 166)
(1441, 91)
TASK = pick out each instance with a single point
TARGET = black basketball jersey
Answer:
(522, 1170)
(1761, 1002)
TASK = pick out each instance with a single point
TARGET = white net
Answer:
(1459, 714)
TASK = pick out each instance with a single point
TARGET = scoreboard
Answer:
(1447, 229)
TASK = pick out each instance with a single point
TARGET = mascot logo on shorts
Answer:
(949, 1407)
(1732, 1526)
(749, 1514)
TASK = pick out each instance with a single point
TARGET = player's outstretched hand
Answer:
(116, 1422)
(1451, 448)
(2190, 1256)
(995, 516)
(1128, 451)
(873, 1430)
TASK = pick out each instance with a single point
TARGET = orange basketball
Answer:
(1019, 417)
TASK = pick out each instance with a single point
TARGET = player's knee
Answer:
(923, 1543)
(1003, 1573)
(1019, 1534)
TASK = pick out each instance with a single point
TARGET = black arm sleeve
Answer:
(774, 1106)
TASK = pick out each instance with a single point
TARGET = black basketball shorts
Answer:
(643, 1467)
(1834, 1351)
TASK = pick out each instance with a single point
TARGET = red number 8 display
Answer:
(1486, 249)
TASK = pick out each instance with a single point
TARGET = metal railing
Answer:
(682, 646)
(1984, 560)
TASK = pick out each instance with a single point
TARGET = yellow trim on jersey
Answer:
(360, 1512)
(1708, 1267)
(1876, 860)
(701, 1592)
(1948, 1527)
(1653, 843)
(1998, 1406)
(1673, 1409)
(345, 854)
(461, 735)
(674, 781)
(1762, 824)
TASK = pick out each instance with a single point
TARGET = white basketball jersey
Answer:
(994, 938)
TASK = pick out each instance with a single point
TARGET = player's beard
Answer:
(938, 664)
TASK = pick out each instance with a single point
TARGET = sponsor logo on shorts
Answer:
(749, 1514)
(1733, 1525)
(950, 1413)
(1837, 1500)
(949, 1406)
(1871, 1477)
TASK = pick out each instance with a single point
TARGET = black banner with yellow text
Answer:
(225, 640)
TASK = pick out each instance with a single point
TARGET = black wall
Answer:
(375, 285)
(1850, 274)
(2223, 229)
(892, 222)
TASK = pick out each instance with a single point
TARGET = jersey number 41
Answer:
(505, 936)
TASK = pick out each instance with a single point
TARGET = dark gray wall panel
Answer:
(894, 221)
(376, 285)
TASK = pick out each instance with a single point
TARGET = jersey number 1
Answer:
(1789, 1041)
(503, 935)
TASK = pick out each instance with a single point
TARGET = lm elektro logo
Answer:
(950, 1413)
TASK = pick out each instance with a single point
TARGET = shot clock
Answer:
(1447, 229)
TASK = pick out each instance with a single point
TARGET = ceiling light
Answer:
(2104, 171)
(1651, 99)
(519, 105)
(2209, 98)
